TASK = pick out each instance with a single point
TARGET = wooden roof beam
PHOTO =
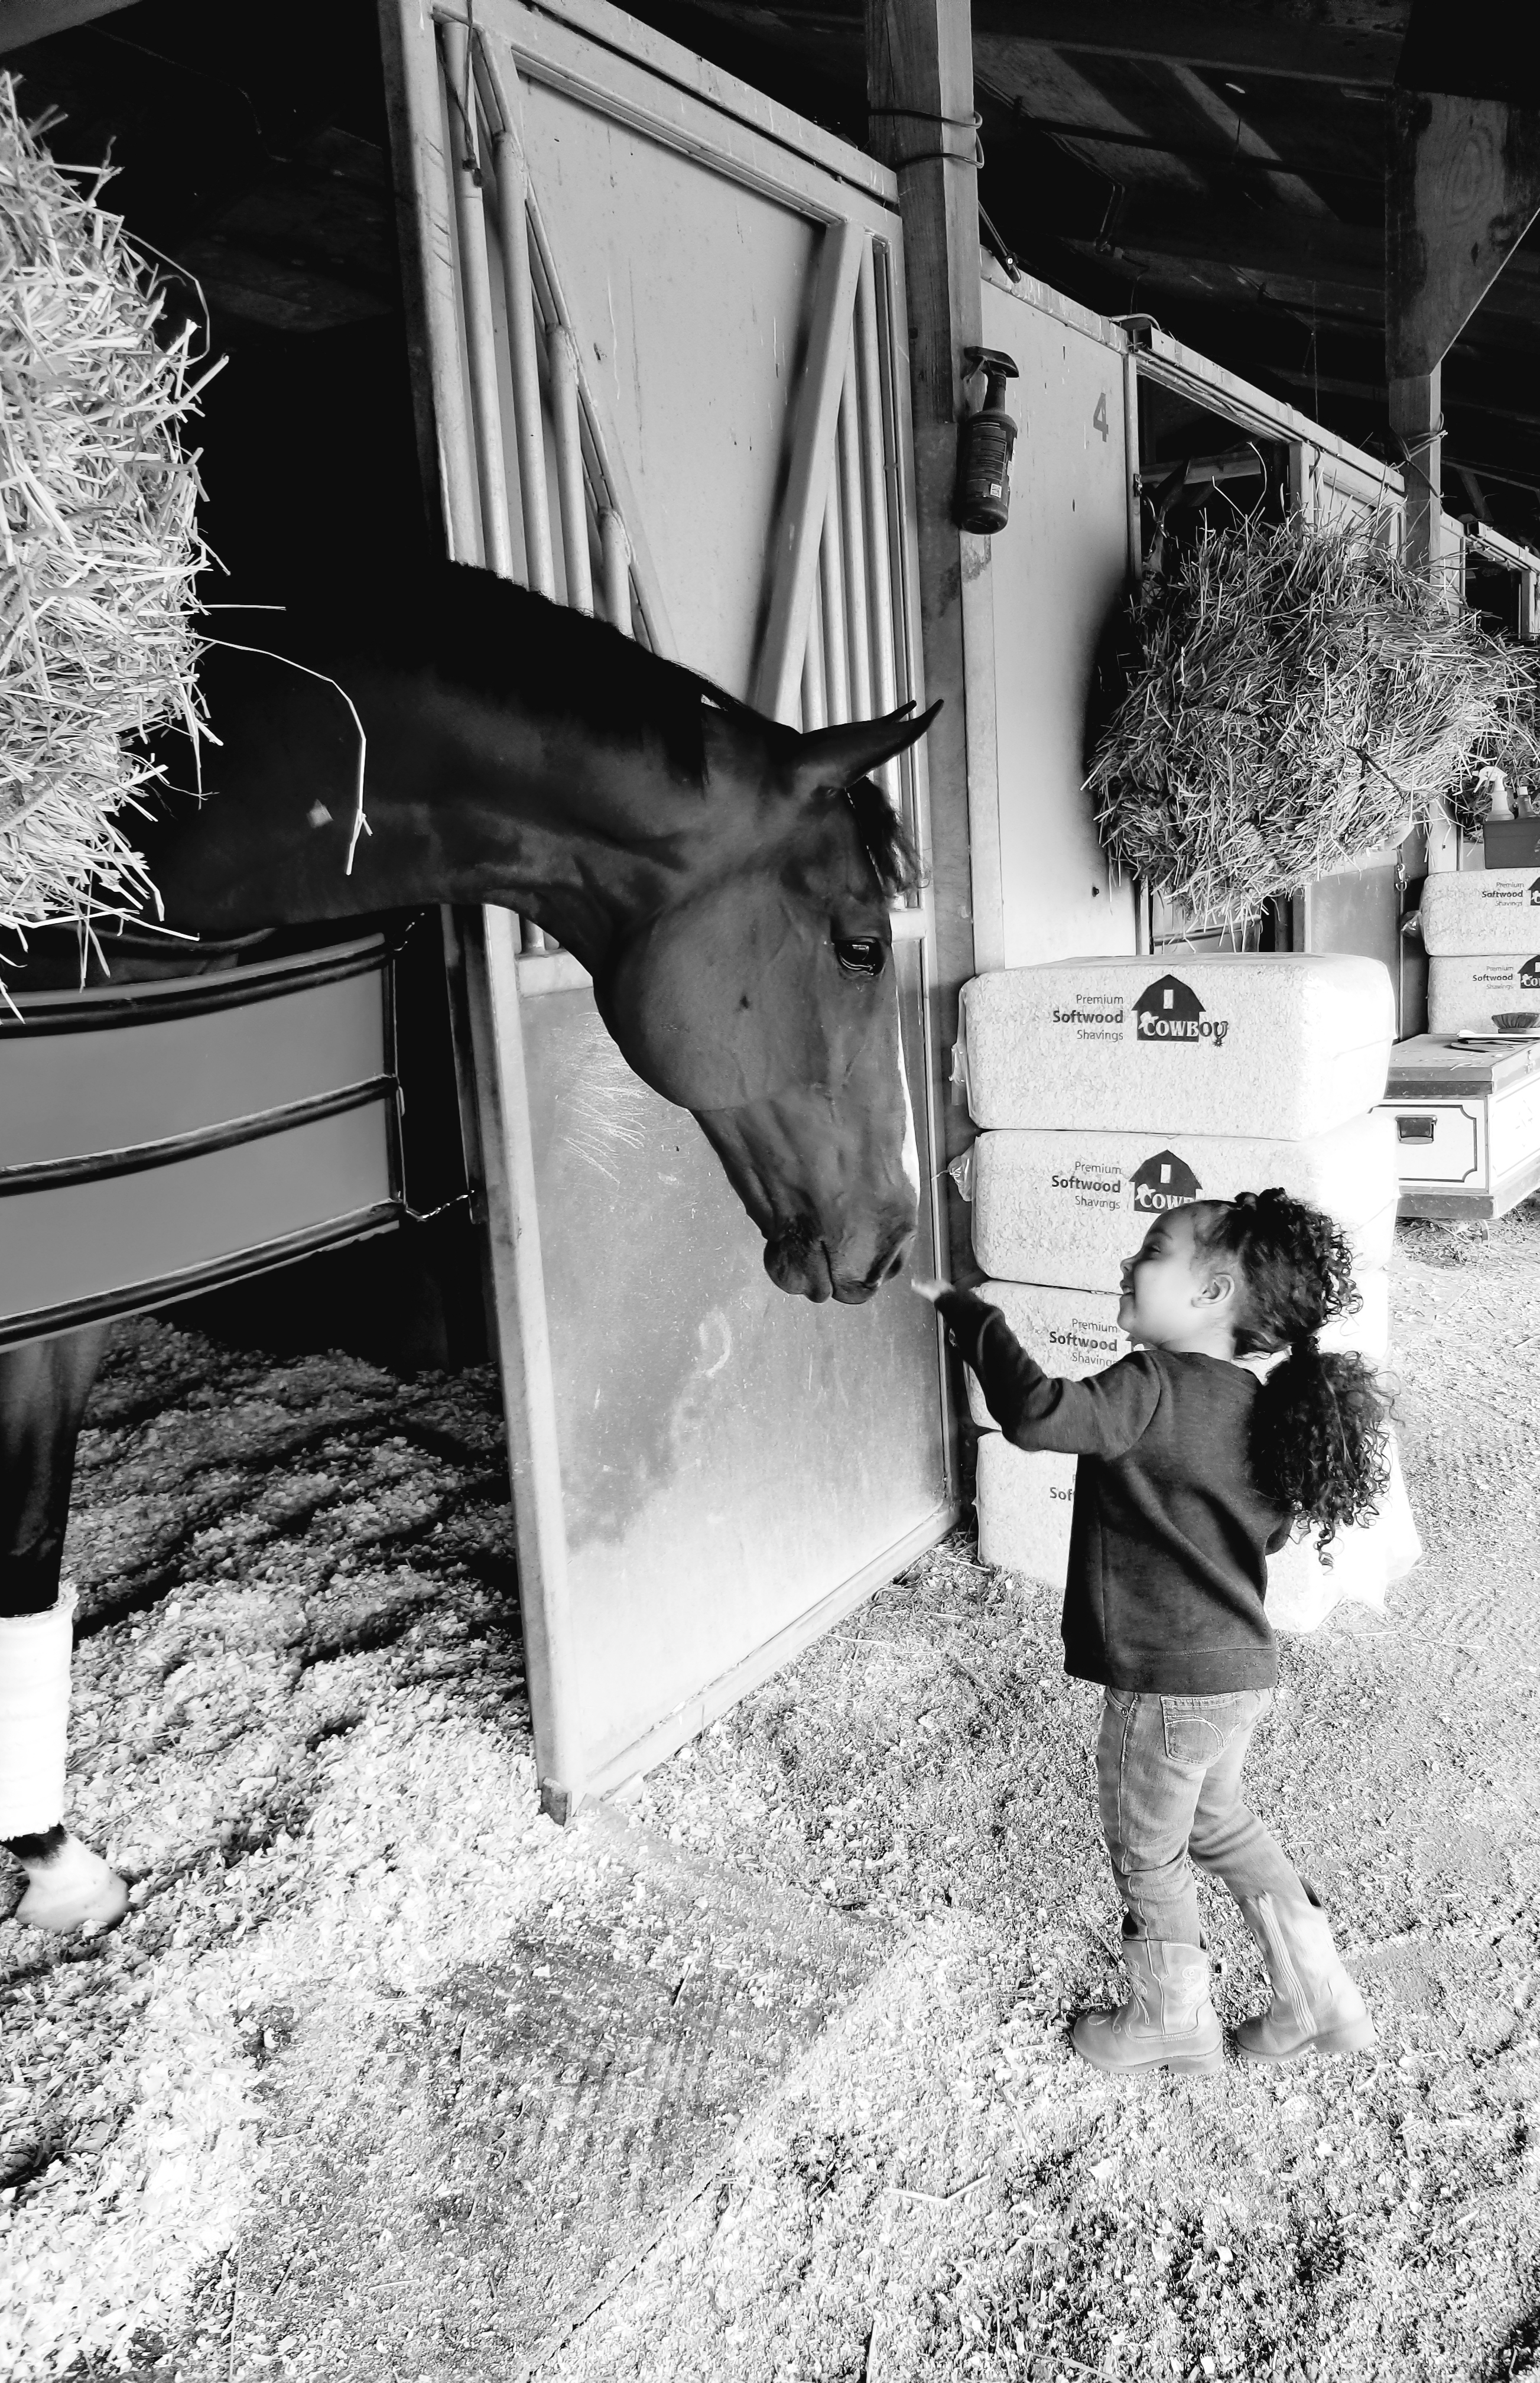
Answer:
(1218, 151)
(1222, 39)
(1277, 251)
(1275, 244)
(1184, 32)
(32, 20)
(1462, 186)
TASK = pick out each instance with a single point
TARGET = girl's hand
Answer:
(929, 1286)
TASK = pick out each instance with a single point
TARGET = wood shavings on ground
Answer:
(763, 2073)
(99, 542)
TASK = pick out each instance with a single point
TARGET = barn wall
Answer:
(1059, 570)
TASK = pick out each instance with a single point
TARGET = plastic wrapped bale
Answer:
(1068, 1208)
(1366, 1562)
(1467, 911)
(1074, 1332)
(1368, 1329)
(1484, 992)
(1278, 1046)
(1024, 1501)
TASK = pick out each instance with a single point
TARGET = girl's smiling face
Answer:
(1172, 1297)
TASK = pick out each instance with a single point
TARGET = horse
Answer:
(725, 880)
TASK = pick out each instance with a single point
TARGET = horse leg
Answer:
(43, 1388)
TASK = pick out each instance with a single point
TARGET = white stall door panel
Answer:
(692, 295)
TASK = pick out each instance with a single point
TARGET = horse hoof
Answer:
(76, 1889)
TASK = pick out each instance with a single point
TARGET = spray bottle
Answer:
(985, 443)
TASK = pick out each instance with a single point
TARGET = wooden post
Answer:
(1462, 186)
(919, 92)
(1417, 421)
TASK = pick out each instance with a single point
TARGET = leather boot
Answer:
(1167, 2021)
(1317, 2006)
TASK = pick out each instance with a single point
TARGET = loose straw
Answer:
(361, 825)
(1298, 697)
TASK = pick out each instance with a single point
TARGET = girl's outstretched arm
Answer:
(1101, 1416)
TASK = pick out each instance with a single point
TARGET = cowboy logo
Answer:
(1164, 1182)
(1169, 1011)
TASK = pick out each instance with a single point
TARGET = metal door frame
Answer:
(123, 1007)
(590, 51)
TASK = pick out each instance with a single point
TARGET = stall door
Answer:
(659, 333)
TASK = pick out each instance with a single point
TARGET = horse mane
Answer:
(495, 638)
(888, 844)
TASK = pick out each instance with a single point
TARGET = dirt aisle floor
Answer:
(764, 2073)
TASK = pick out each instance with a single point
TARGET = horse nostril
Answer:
(894, 1266)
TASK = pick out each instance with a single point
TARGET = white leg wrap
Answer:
(34, 1716)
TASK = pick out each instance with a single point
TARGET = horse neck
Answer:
(583, 835)
(467, 799)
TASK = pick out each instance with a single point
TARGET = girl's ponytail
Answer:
(1320, 1441)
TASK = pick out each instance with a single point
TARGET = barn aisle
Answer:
(761, 2072)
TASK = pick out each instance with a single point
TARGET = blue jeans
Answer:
(1168, 1784)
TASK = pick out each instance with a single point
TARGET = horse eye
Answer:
(860, 955)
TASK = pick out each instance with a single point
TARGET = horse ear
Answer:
(837, 756)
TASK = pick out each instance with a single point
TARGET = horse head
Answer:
(764, 999)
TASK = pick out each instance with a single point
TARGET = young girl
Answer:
(1193, 1471)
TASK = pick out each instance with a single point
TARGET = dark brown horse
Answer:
(725, 880)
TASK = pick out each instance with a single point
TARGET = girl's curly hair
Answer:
(1320, 1442)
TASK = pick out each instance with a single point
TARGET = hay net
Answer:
(99, 542)
(1297, 696)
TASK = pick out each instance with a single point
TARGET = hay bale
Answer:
(1066, 1208)
(99, 543)
(1278, 1046)
(1073, 1333)
(1479, 993)
(1469, 911)
(1298, 697)
(1025, 1502)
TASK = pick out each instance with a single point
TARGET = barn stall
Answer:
(764, 531)
(621, 477)
(217, 1126)
(630, 1643)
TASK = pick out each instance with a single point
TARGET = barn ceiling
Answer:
(1219, 166)
(249, 144)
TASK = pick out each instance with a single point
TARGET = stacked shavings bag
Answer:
(1112, 1089)
(1482, 930)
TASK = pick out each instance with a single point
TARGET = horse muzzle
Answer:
(799, 1263)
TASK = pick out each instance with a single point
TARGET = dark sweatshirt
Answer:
(1170, 1537)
